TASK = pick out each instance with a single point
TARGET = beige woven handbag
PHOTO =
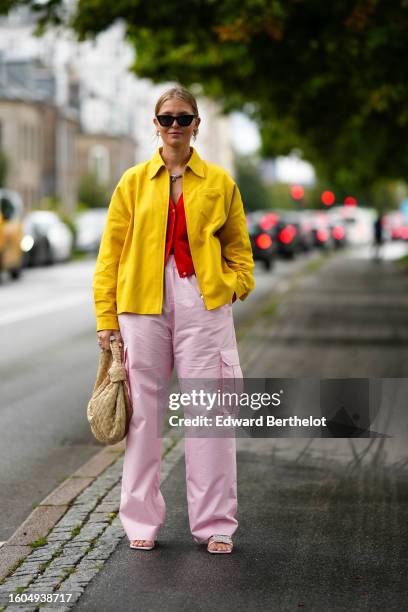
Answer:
(109, 409)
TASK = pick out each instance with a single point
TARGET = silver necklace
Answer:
(174, 177)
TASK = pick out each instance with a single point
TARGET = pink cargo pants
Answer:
(201, 343)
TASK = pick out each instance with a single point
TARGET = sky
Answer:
(289, 169)
(245, 134)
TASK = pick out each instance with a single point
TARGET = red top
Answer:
(177, 239)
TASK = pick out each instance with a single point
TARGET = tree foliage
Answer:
(4, 166)
(254, 193)
(329, 78)
(92, 193)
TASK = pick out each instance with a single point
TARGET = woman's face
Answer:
(176, 135)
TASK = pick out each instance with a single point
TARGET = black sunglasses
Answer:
(182, 120)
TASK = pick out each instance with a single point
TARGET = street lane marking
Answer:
(40, 309)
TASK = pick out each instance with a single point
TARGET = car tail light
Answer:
(263, 241)
(338, 232)
(269, 221)
(322, 235)
(287, 234)
(404, 232)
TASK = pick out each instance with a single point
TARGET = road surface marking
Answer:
(40, 309)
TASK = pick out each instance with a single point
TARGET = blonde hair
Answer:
(177, 92)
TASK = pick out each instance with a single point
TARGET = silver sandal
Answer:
(225, 539)
(142, 547)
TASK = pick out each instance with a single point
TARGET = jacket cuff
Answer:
(240, 291)
(108, 322)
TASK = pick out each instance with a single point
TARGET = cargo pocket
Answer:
(231, 380)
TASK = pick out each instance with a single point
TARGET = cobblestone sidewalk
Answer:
(67, 559)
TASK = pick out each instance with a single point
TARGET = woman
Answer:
(174, 255)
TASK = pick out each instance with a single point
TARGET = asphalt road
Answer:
(47, 367)
(48, 364)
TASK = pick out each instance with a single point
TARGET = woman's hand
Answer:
(104, 339)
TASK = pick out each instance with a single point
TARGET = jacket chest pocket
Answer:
(210, 203)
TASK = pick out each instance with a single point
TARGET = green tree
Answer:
(92, 193)
(3, 169)
(254, 193)
(387, 195)
(280, 198)
(329, 78)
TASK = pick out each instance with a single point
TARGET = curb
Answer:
(81, 538)
(48, 512)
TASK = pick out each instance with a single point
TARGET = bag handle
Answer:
(115, 348)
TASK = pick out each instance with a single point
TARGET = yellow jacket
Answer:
(130, 265)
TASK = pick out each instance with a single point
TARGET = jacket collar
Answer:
(195, 163)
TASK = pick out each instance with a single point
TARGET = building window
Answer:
(32, 134)
(30, 142)
(26, 144)
(98, 163)
(70, 148)
(21, 141)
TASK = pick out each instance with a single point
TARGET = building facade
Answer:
(105, 156)
(45, 148)
(22, 142)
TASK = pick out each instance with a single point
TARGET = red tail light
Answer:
(322, 235)
(404, 232)
(338, 232)
(269, 221)
(263, 241)
(287, 234)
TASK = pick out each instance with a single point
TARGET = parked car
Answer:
(11, 232)
(262, 233)
(359, 223)
(395, 226)
(338, 229)
(90, 225)
(47, 239)
(321, 230)
(304, 222)
(288, 232)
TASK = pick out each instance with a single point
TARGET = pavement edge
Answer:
(51, 509)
